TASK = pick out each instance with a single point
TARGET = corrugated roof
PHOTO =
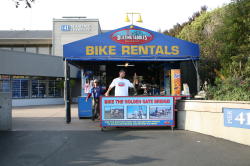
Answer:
(28, 34)
(22, 53)
(25, 34)
(30, 64)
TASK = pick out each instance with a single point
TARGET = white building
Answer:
(31, 62)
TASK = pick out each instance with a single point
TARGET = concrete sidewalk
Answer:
(43, 139)
(49, 118)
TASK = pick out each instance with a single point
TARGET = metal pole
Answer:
(67, 92)
(132, 18)
(197, 76)
(83, 81)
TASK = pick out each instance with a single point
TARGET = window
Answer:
(38, 88)
(54, 89)
(31, 49)
(4, 83)
(21, 49)
(5, 48)
(44, 50)
(20, 88)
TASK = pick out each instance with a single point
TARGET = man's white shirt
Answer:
(121, 86)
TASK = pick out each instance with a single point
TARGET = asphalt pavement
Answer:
(40, 137)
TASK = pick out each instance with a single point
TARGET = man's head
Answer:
(96, 82)
(122, 73)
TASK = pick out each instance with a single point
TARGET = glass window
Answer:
(46, 88)
(38, 88)
(22, 49)
(4, 83)
(20, 88)
(31, 49)
(44, 50)
(5, 48)
(54, 89)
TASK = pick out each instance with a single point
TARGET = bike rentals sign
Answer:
(137, 111)
(131, 43)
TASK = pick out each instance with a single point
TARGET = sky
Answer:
(156, 14)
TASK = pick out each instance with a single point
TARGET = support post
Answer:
(197, 76)
(67, 92)
(167, 82)
(82, 82)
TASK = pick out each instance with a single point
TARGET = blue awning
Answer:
(131, 43)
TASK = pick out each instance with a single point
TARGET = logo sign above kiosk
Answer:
(131, 43)
(132, 36)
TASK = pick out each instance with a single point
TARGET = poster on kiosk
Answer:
(137, 111)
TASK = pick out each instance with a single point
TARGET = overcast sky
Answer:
(156, 14)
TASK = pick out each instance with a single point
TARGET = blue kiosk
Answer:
(148, 56)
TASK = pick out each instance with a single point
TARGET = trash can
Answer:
(5, 111)
(84, 108)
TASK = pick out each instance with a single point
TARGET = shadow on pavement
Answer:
(69, 148)
(45, 139)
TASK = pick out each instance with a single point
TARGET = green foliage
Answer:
(234, 53)
(230, 89)
(178, 27)
(234, 37)
(201, 31)
(224, 38)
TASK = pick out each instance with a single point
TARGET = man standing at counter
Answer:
(121, 85)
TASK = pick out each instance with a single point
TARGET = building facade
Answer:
(31, 62)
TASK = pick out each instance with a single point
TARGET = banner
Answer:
(137, 111)
(131, 43)
(176, 82)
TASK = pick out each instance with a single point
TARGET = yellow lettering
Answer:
(96, 50)
(112, 50)
(151, 49)
(89, 50)
(134, 50)
(175, 50)
(102, 50)
(166, 51)
(159, 50)
(125, 50)
(143, 50)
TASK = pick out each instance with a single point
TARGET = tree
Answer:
(235, 38)
(234, 53)
(201, 31)
(178, 27)
(224, 40)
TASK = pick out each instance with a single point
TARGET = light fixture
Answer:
(127, 19)
(139, 19)
(132, 16)
(125, 65)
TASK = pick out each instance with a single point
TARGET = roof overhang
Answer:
(131, 44)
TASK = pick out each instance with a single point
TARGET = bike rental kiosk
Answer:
(161, 66)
